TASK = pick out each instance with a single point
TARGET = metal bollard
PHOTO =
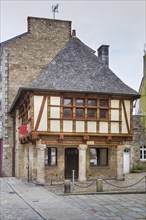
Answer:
(99, 185)
(67, 186)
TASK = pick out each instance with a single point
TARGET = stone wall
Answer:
(139, 139)
(23, 59)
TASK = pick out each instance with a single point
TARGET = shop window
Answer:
(98, 157)
(143, 153)
(51, 156)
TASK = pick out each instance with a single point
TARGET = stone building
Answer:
(137, 148)
(63, 109)
(76, 115)
(23, 58)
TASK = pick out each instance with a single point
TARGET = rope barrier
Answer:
(85, 186)
(124, 186)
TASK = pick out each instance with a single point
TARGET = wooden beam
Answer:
(125, 114)
(40, 113)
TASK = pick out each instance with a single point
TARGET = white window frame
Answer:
(143, 153)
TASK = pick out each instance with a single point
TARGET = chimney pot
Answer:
(73, 33)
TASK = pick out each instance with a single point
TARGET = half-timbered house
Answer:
(75, 116)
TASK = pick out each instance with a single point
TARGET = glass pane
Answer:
(91, 113)
(53, 156)
(103, 113)
(93, 157)
(104, 102)
(79, 102)
(67, 102)
(67, 112)
(80, 112)
(91, 102)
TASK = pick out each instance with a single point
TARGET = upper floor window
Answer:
(80, 110)
(143, 153)
(67, 110)
(103, 108)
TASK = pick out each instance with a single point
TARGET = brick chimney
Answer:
(103, 53)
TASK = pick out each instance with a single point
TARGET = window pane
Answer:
(98, 156)
(80, 112)
(79, 102)
(67, 112)
(93, 157)
(51, 156)
(91, 113)
(104, 102)
(67, 102)
(103, 113)
(91, 102)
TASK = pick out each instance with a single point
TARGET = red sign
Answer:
(23, 130)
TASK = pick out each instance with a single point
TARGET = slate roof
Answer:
(77, 68)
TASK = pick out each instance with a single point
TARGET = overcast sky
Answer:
(119, 24)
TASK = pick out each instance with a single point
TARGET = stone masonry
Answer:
(23, 59)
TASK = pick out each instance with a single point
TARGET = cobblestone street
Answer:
(26, 201)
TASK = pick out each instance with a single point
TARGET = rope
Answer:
(85, 186)
(124, 186)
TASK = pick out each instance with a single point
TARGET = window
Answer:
(143, 153)
(67, 110)
(91, 113)
(103, 109)
(51, 156)
(91, 102)
(98, 157)
(79, 111)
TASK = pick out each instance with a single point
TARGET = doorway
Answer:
(126, 161)
(71, 162)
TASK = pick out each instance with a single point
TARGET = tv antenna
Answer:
(54, 10)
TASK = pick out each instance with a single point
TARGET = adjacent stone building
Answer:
(23, 58)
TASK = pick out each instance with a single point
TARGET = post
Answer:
(67, 186)
(82, 162)
(73, 179)
(40, 163)
(99, 185)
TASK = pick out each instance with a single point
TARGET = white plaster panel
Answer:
(114, 103)
(55, 112)
(67, 126)
(44, 119)
(124, 126)
(91, 126)
(37, 105)
(115, 115)
(103, 127)
(127, 106)
(55, 125)
(54, 100)
(114, 127)
(80, 126)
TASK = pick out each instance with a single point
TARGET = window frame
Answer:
(98, 150)
(143, 153)
(48, 157)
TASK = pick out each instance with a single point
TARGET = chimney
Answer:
(103, 53)
(73, 33)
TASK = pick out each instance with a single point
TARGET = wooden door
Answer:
(126, 161)
(71, 162)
